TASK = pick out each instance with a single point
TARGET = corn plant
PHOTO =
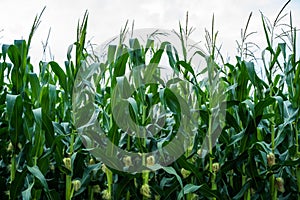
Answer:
(43, 154)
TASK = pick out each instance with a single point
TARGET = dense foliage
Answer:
(255, 157)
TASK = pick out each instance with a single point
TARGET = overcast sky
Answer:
(106, 17)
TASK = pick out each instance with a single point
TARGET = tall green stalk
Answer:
(272, 178)
(13, 168)
(213, 86)
(145, 173)
(247, 195)
(109, 176)
(68, 183)
(90, 193)
(212, 104)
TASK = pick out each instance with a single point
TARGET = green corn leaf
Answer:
(15, 111)
(39, 137)
(111, 53)
(4, 51)
(35, 86)
(26, 194)
(158, 54)
(120, 65)
(203, 189)
(149, 44)
(275, 58)
(60, 74)
(35, 171)
(260, 107)
(171, 170)
(187, 67)
(14, 56)
(17, 184)
(172, 101)
(244, 189)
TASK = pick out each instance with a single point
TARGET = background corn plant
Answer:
(255, 157)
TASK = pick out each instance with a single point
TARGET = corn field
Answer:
(253, 153)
